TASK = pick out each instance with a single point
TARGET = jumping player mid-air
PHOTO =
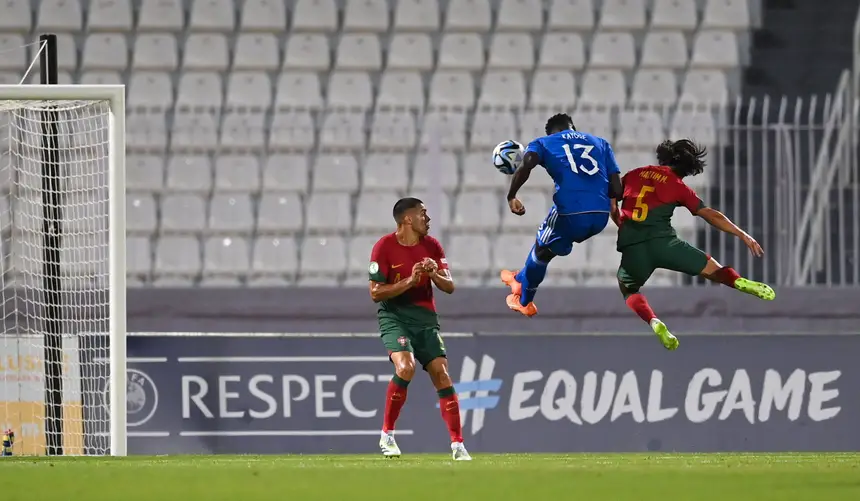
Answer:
(404, 267)
(647, 241)
(587, 182)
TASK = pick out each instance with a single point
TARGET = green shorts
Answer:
(424, 341)
(638, 261)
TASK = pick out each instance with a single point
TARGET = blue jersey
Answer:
(580, 165)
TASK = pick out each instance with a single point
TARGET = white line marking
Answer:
(285, 359)
(136, 360)
(290, 433)
(139, 434)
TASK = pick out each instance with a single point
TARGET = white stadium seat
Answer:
(145, 173)
(307, 51)
(225, 255)
(410, 51)
(698, 125)
(513, 51)
(249, 90)
(553, 89)
(275, 255)
(335, 172)
(705, 86)
(16, 17)
(199, 90)
(264, 15)
(468, 15)
(109, 15)
(373, 213)
(13, 53)
(359, 52)
(563, 51)
(416, 15)
(197, 131)
(315, 15)
(520, 15)
(105, 51)
(292, 131)
(212, 15)
(452, 89)
(385, 172)
(155, 51)
(323, 256)
(300, 90)
(667, 49)
(726, 14)
(60, 15)
(177, 255)
(230, 212)
(286, 173)
(602, 88)
(571, 15)
(674, 15)
(594, 121)
(537, 207)
(67, 52)
(366, 16)
(461, 51)
(435, 170)
(654, 87)
(146, 131)
(715, 49)
(256, 51)
(237, 173)
(183, 213)
(164, 15)
(329, 212)
(343, 131)
(141, 213)
(639, 130)
(401, 90)
(476, 211)
(613, 50)
(503, 89)
(206, 51)
(243, 130)
(475, 173)
(192, 173)
(393, 130)
(468, 255)
(489, 126)
(280, 213)
(350, 90)
(623, 14)
(150, 90)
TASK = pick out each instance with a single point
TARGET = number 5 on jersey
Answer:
(640, 211)
(584, 155)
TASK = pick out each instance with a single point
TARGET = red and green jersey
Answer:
(391, 262)
(651, 194)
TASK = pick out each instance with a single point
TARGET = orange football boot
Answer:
(509, 278)
(513, 302)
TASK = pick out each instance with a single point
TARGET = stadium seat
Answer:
(249, 90)
(715, 49)
(307, 52)
(292, 131)
(571, 15)
(16, 17)
(335, 172)
(435, 170)
(230, 213)
(705, 86)
(194, 132)
(475, 173)
(256, 51)
(164, 15)
(595, 121)
(452, 90)
(726, 14)
(438, 205)
(603, 88)
(537, 206)
(358, 255)
(514, 51)
(367, 16)
(393, 130)
(602, 256)
(226, 255)
(401, 90)
(674, 15)
(639, 130)
(563, 51)
(144, 172)
(329, 212)
(553, 89)
(469, 15)
(373, 212)
(613, 50)
(243, 130)
(667, 49)
(503, 89)
(350, 90)
(67, 52)
(212, 15)
(105, 51)
(101, 78)
(280, 213)
(359, 52)
(286, 173)
(183, 213)
(199, 90)
(532, 123)
(323, 256)
(155, 51)
(628, 160)
(109, 15)
(173, 282)
(59, 15)
(410, 51)
(146, 131)
(520, 15)
(476, 211)
(177, 256)
(7, 78)
(385, 172)
(654, 87)
(140, 213)
(315, 15)
(189, 173)
(698, 125)
(343, 131)
(275, 255)
(264, 15)
(237, 173)
(488, 127)
(622, 15)
(298, 90)
(416, 15)
(445, 130)
(468, 255)
(683, 221)
(221, 282)
(461, 51)
(509, 251)
(150, 90)
(138, 255)
(269, 281)
(13, 53)
(206, 51)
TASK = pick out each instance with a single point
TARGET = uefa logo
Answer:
(141, 397)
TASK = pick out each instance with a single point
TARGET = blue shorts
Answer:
(559, 232)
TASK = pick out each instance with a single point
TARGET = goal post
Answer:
(63, 146)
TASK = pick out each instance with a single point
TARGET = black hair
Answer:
(403, 205)
(559, 121)
(685, 157)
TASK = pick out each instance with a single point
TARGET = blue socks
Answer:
(530, 277)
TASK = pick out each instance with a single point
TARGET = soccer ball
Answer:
(507, 156)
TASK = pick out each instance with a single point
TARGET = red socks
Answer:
(449, 405)
(395, 397)
(639, 304)
(726, 276)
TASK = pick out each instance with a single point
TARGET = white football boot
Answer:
(459, 452)
(388, 445)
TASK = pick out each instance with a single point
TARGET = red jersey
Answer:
(391, 262)
(651, 194)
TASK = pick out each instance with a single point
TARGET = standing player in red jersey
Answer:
(404, 267)
(647, 241)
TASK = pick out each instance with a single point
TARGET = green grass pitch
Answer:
(531, 477)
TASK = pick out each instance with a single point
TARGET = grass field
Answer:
(586, 477)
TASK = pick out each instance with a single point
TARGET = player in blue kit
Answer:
(587, 183)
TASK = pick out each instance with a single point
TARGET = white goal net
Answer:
(57, 278)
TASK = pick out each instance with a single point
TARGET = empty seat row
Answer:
(372, 15)
(255, 51)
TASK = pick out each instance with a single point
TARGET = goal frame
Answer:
(115, 96)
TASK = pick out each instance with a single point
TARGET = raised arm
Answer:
(530, 161)
(437, 269)
(381, 291)
(719, 221)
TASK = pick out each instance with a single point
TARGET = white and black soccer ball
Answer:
(507, 156)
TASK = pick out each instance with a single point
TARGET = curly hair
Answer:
(685, 157)
(560, 121)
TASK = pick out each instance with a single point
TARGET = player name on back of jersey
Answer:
(653, 175)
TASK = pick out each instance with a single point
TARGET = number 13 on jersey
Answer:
(584, 155)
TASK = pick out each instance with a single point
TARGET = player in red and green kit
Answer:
(647, 241)
(404, 267)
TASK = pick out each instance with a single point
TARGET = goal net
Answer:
(59, 164)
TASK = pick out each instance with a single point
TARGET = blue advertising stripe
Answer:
(486, 385)
(477, 403)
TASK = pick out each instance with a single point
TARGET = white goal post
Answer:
(87, 150)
